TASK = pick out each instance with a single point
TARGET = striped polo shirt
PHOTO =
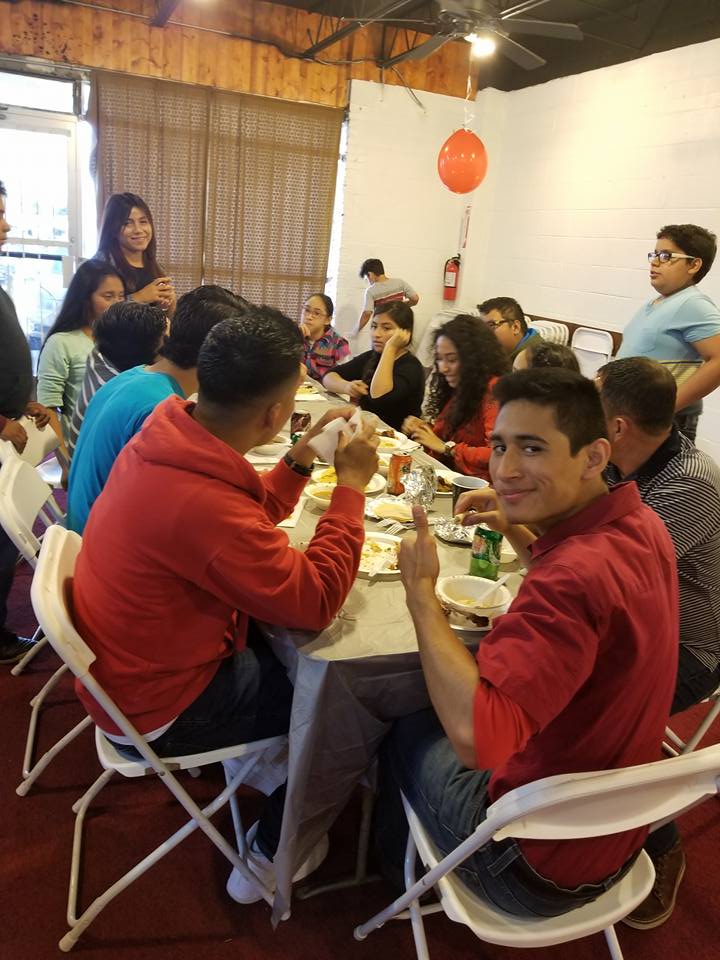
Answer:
(98, 371)
(682, 485)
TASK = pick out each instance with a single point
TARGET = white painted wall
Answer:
(583, 171)
(395, 206)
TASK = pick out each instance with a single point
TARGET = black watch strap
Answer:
(297, 467)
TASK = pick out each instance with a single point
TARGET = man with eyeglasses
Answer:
(507, 321)
(680, 327)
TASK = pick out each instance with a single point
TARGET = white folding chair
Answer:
(593, 349)
(24, 499)
(553, 332)
(675, 745)
(50, 597)
(555, 808)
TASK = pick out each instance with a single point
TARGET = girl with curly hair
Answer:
(460, 408)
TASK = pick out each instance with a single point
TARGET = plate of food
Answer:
(389, 508)
(379, 556)
(391, 441)
(328, 475)
(308, 391)
(461, 623)
(445, 482)
(274, 450)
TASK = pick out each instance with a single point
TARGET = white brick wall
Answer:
(584, 171)
(395, 207)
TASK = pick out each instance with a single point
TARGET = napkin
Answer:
(325, 443)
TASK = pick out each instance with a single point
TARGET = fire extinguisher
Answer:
(452, 272)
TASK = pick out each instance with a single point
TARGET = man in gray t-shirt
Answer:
(381, 289)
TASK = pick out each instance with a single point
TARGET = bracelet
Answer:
(297, 467)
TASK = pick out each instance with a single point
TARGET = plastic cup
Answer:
(461, 485)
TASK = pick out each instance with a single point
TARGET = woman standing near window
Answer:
(95, 287)
(460, 406)
(127, 241)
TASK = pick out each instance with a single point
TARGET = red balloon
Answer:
(462, 161)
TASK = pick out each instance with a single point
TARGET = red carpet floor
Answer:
(179, 910)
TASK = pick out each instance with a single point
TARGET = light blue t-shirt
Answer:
(114, 415)
(667, 330)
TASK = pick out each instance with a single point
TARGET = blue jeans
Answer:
(249, 698)
(450, 802)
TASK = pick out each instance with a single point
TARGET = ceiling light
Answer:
(482, 46)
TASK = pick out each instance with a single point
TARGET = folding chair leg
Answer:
(32, 774)
(40, 642)
(613, 943)
(199, 819)
(35, 705)
(416, 920)
(703, 728)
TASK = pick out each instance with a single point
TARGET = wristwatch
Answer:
(297, 467)
(449, 450)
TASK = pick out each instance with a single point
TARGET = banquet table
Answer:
(350, 682)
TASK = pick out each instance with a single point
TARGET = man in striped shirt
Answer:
(682, 485)
(128, 334)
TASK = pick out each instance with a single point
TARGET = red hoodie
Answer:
(182, 536)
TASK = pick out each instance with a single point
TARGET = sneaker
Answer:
(12, 647)
(657, 907)
(245, 891)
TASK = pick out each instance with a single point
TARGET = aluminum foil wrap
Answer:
(420, 485)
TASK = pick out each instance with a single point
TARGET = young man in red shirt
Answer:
(181, 554)
(577, 676)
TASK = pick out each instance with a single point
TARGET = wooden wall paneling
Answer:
(108, 40)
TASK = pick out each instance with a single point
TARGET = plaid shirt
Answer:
(326, 353)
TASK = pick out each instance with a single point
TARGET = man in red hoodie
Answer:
(181, 554)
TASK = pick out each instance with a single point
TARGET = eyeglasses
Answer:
(494, 324)
(665, 256)
(315, 314)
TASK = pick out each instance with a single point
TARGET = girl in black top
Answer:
(387, 380)
(127, 240)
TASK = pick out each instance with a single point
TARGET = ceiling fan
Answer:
(484, 19)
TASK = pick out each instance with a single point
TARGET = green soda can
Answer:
(485, 556)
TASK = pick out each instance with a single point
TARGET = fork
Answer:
(391, 527)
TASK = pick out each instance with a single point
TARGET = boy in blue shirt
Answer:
(119, 408)
(680, 327)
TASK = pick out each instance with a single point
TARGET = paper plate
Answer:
(372, 505)
(448, 476)
(398, 443)
(308, 391)
(327, 475)
(377, 548)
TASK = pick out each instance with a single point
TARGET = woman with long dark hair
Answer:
(127, 241)
(324, 347)
(387, 380)
(95, 286)
(460, 408)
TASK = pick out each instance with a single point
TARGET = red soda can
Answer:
(400, 464)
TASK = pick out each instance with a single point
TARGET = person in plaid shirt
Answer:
(324, 347)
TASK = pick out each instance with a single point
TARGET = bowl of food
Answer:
(472, 596)
(320, 494)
